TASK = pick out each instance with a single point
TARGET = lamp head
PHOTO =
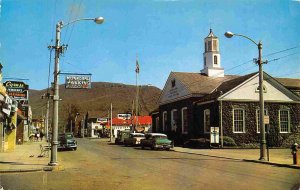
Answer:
(228, 34)
(99, 20)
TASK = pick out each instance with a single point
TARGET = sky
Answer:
(165, 36)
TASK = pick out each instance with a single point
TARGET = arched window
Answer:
(215, 60)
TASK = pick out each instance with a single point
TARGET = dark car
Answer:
(67, 141)
(121, 135)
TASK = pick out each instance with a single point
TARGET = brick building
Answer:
(191, 103)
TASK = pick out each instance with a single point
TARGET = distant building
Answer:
(121, 124)
(191, 103)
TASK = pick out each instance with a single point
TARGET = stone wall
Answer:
(275, 138)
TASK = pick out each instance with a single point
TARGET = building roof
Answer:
(199, 83)
(289, 82)
(226, 86)
(211, 34)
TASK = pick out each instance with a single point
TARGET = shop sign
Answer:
(78, 81)
(124, 115)
(17, 89)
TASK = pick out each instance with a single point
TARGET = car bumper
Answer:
(163, 146)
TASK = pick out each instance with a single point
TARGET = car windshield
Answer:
(138, 135)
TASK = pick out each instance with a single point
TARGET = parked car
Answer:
(134, 139)
(121, 135)
(156, 141)
(67, 141)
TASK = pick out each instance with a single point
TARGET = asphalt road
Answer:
(99, 165)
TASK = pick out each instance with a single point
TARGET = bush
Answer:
(250, 145)
(228, 141)
(197, 143)
(294, 138)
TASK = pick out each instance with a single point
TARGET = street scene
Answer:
(156, 94)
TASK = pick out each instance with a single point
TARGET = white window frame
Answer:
(172, 119)
(257, 120)
(182, 121)
(204, 121)
(165, 112)
(233, 127)
(157, 124)
(288, 122)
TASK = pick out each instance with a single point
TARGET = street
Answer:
(97, 164)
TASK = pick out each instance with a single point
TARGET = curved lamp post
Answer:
(58, 50)
(261, 96)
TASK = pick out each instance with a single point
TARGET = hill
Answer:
(97, 100)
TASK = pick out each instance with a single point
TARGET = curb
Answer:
(246, 160)
(46, 169)
(273, 164)
(20, 170)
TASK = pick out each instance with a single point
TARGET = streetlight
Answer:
(261, 95)
(58, 50)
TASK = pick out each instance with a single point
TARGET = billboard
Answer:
(78, 81)
(17, 89)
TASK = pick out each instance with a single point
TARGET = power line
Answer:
(282, 51)
(70, 16)
(72, 27)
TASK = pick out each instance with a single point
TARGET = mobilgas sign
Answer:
(78, 81)
(17, 89)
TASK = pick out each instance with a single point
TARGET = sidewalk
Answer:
(25, 158)
(278, 157)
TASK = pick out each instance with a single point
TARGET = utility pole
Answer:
(261, 103)
(111, 122)
(137, 71)
(48, 96)
(261, 94)
(59, 50)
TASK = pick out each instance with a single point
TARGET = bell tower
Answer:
(211, 57)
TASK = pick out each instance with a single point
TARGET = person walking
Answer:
(38, 136)
(41, 135)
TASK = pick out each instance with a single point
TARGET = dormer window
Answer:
(173, 83)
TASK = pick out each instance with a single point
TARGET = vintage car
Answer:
(67, 141)
(134, 139)
(121, 135)
(157, 141)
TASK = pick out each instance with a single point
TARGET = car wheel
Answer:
(143, 147)
(168, 149)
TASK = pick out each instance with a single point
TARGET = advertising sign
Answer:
(17, 89)
(124, 115)
(78, 81)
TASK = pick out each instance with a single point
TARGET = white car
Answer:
(134, 139)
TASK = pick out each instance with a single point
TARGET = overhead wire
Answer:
(214, 77)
